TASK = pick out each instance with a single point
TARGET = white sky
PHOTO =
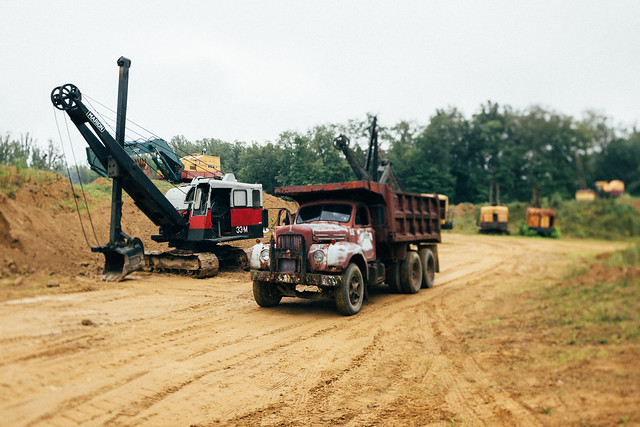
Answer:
(248, 70)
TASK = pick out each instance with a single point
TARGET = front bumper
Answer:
(329, 280)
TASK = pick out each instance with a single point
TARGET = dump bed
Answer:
(398, 216)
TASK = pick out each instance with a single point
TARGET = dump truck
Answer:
(194, 219)
(348, 236)
(345, 237)
(446, 215)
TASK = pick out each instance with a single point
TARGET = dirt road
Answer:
(159, 350)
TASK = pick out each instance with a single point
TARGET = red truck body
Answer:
(386, 235)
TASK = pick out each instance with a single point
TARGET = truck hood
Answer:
(316, 232)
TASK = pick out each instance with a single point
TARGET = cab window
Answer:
(239, 198)
(362, 216)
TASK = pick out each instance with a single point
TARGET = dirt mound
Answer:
(463, 210)
(41, 233)
(6, 239)
(600, 273)
(273, 202)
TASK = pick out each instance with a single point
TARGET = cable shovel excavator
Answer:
(194, 219)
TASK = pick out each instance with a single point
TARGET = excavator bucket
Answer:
(121, 260)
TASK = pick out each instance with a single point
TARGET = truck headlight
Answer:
(264, 255)
(318, 256)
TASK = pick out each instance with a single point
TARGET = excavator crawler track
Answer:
(196, 264)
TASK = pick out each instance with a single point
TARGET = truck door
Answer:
(200, 200)
(200, 220)
(365, 232)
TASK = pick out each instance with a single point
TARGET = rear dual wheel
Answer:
(428, 267)
(411, 273)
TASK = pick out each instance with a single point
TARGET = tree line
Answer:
(522, 151)
(24, 152)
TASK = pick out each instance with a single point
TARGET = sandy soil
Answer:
(167, 350)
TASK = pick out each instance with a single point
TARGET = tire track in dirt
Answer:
(172, 350)
(179, 335)
(437, 414)
(467, 384)
(184, 335)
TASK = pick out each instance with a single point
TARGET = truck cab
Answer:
(310, 257)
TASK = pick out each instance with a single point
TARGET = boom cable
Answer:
(84, 233)
(140, 135)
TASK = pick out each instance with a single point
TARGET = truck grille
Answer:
(290, 241)
(288, 266)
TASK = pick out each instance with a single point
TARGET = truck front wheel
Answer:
(350, 294)
(411, 273)
(265, 294)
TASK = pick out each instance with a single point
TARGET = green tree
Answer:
(25, 152)
(82, 174)
(261, 164)
(329, 164)
(620, 159)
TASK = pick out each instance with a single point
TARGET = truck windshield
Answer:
(334, 212)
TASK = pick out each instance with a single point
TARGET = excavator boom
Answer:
(194, 219)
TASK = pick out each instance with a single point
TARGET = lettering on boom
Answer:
(95, 121)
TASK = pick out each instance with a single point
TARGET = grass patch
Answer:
(12, 178)
(595, 306)
(584, 316)
(628, 256)
(465, 219)
(606, 219)
(99, 191)
(602, 219)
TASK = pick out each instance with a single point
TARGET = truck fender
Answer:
(254, 257)
(340, 254)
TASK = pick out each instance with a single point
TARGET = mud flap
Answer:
(121, 260)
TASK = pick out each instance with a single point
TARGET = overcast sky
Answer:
(248, 70)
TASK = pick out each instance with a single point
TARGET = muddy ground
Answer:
(169, 350)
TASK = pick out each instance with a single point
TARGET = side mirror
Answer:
(265, 221)
(284, 217)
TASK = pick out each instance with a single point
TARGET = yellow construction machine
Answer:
(539, 221)
(494, 218)
(542, 221)
(200, 165)
(610, 188)
(446, 215)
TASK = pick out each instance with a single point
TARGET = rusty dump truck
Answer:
(345, 237)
